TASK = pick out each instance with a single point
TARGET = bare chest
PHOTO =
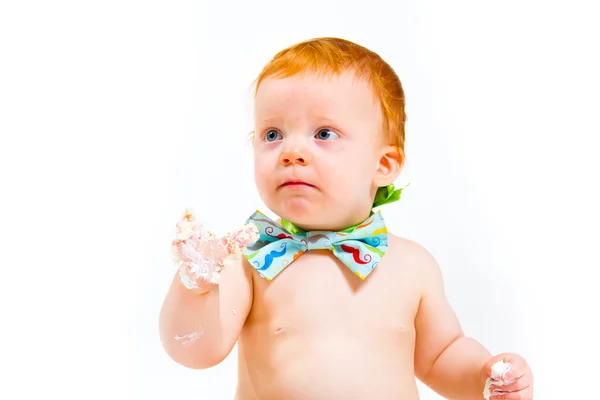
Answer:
(316, 318)
(318, 291)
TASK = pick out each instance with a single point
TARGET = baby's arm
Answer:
(200, 322)
(199, 330)
(445, 360)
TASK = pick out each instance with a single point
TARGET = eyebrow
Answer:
(270, 119)
(278, 118)
(323, 118)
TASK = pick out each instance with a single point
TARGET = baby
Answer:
(325, 303)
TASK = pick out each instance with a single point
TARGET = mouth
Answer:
(296, 183)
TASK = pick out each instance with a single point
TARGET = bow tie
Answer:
(360, 248)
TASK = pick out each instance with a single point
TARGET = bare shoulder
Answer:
(416, 259)
(409, 250)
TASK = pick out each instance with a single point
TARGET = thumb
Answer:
(506, 367)
(497, 367)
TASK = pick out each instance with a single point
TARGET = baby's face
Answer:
(317, 148)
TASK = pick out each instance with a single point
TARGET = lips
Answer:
(296, 183)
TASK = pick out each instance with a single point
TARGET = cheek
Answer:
(262, 169)
(354, 163)
(356, 178)
(346, 174)
(259, 159)
(258, 169)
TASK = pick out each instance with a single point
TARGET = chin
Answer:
(309, 220)
(309, 213)
(300, 211)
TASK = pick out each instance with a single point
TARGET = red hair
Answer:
(329, 56)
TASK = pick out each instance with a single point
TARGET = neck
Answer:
(294, 228)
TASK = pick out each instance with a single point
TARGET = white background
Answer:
(116, 115)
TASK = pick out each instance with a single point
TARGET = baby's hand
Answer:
(200, 255)
(508, 378)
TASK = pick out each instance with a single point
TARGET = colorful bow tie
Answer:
(360, 248)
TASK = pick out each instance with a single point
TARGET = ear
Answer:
(390, 165)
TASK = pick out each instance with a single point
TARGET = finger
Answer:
(495, 368)
(188, 252)
(524, 394)
(506, 367)
(218, 250)
(518, 368)
(520, 383)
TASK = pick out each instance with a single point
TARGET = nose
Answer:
(294, 157)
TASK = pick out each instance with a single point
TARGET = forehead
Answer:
(340, 94)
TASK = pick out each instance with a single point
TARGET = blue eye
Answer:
(327, 134)
(272, 135)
